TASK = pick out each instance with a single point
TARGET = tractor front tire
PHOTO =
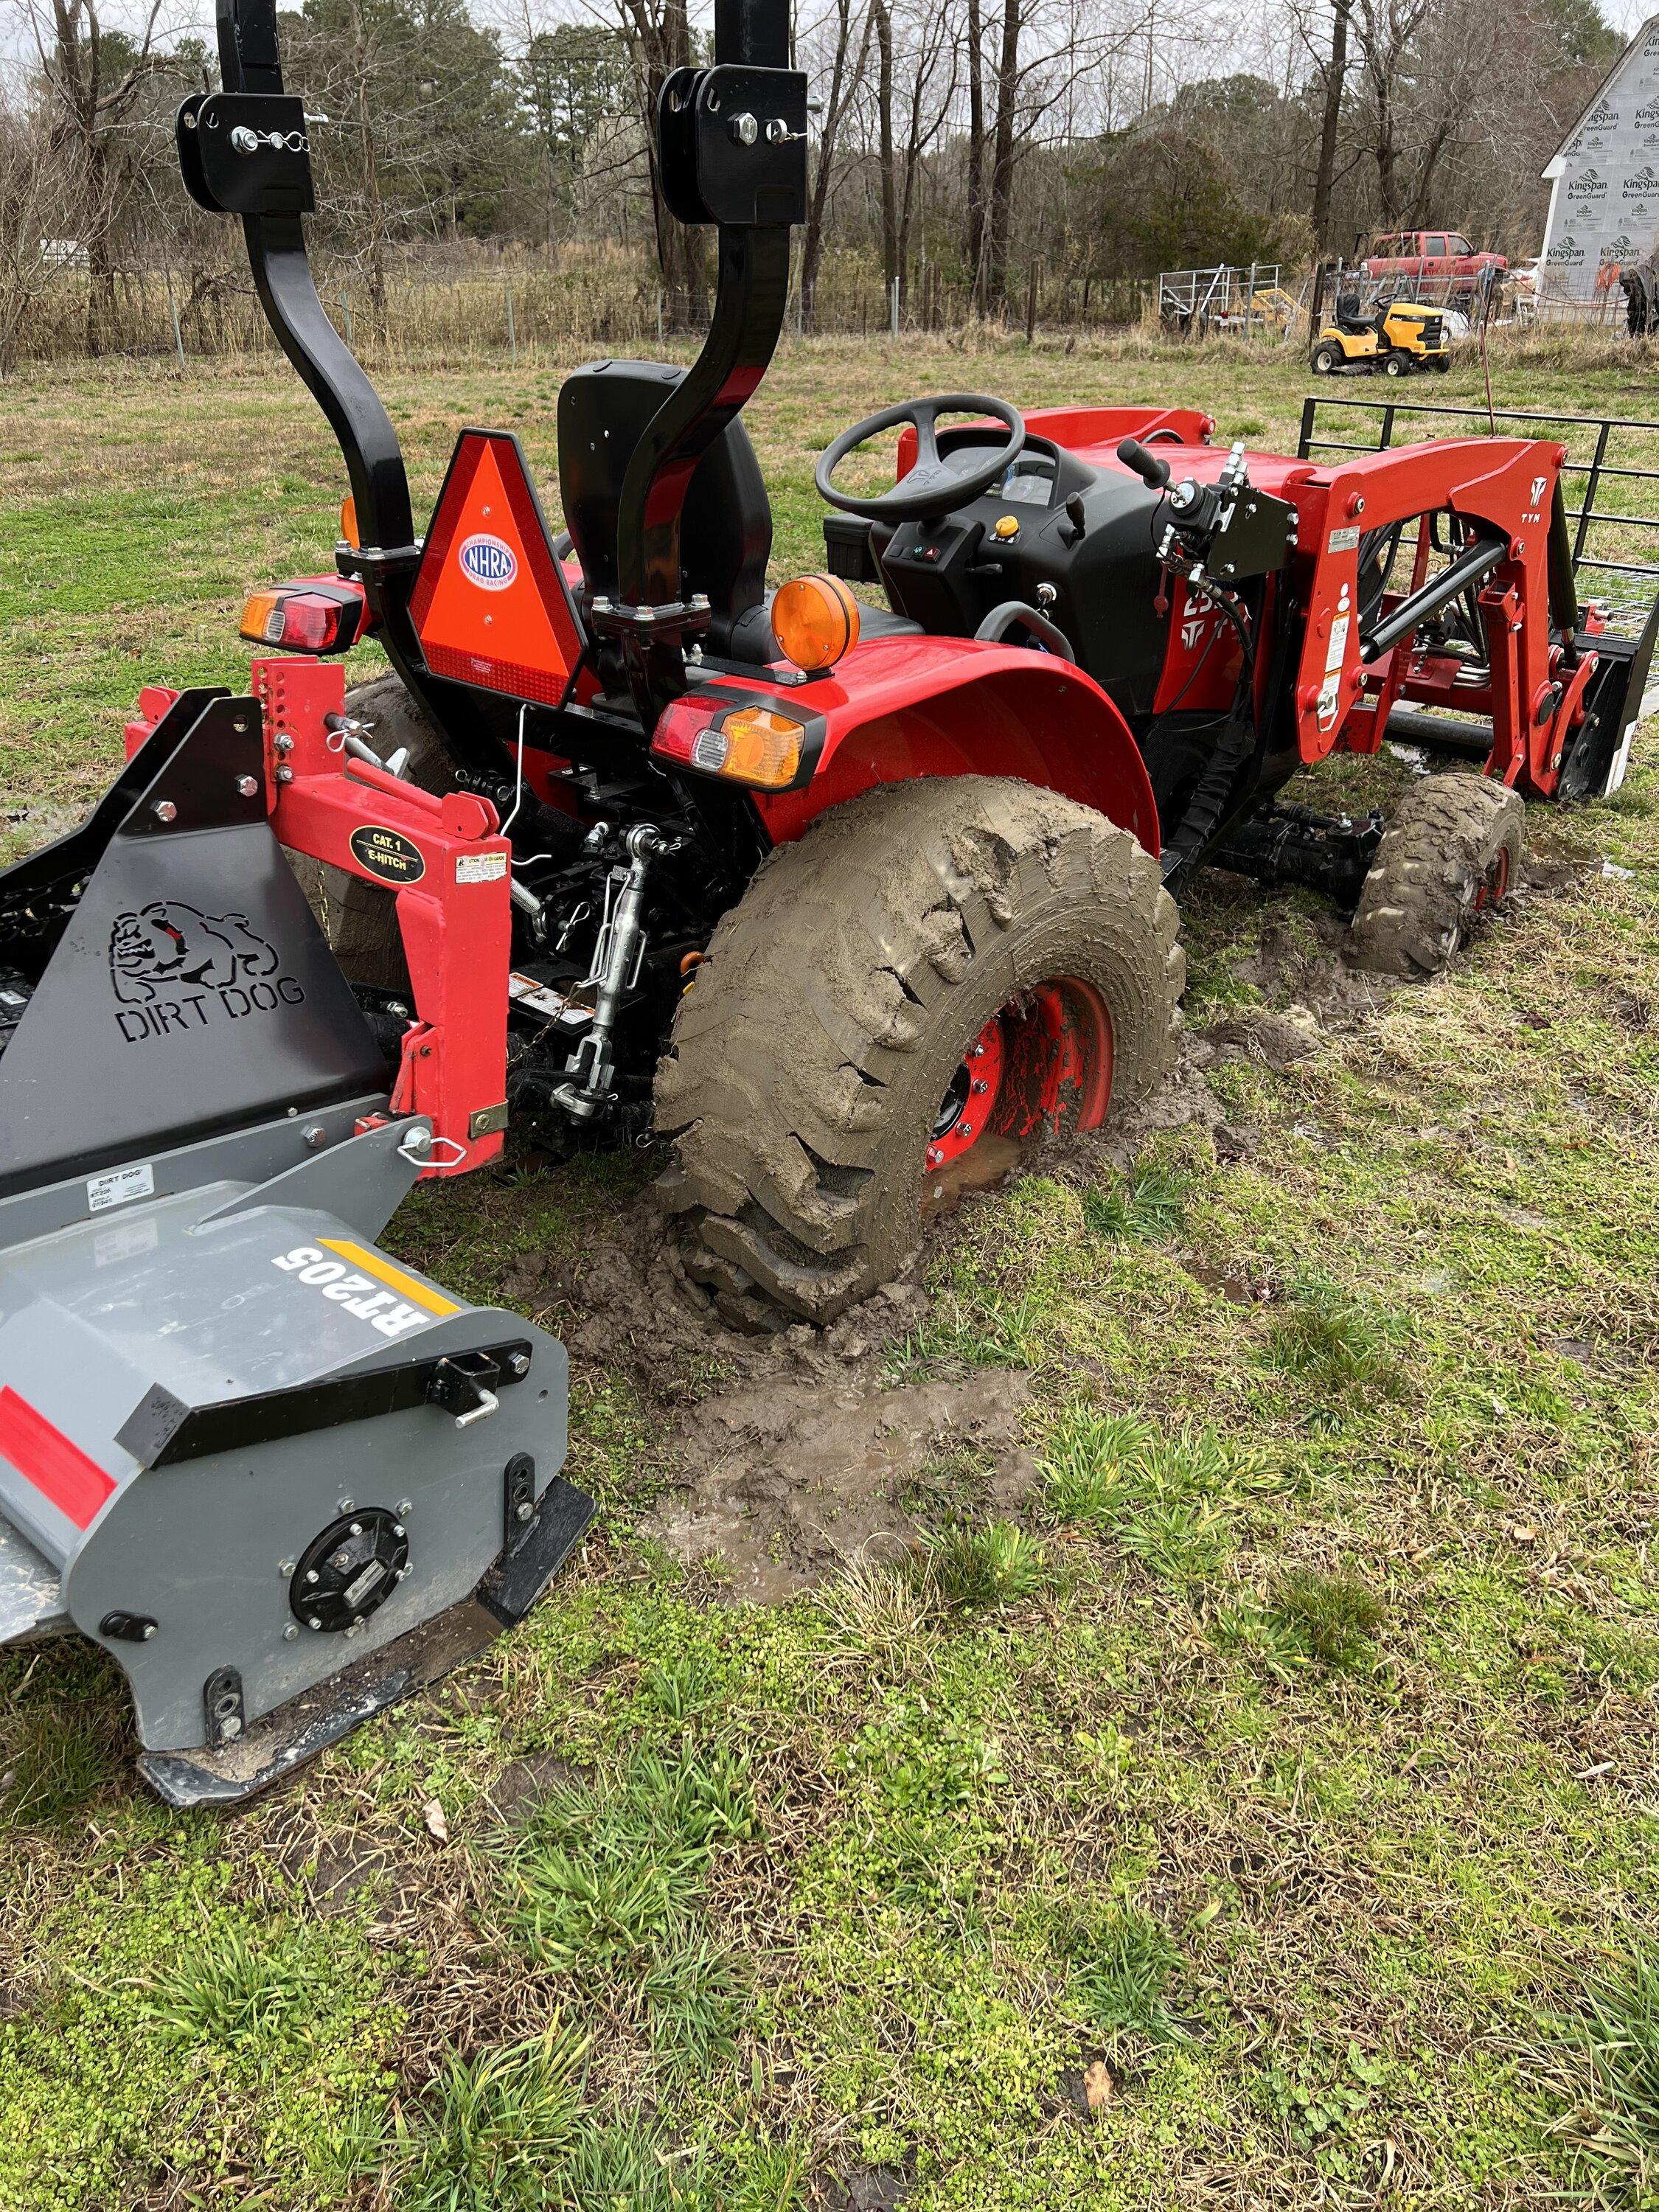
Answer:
(1394, 364)
(938, 965)
(1327, 358)
(1450, 854)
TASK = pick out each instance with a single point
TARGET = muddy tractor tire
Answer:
(359, 919)
(934, 972)
(1450, 854)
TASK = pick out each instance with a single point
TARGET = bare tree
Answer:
(1334, 76)
(846, 77)
(35, 217)
(94, 79)
(1421, 64)
(659, 38)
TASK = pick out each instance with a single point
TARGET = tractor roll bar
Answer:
(250, 62)
(731, 151)
(1470, 568)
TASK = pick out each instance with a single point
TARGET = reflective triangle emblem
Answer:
(489, 605)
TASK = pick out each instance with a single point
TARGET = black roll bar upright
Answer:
(245, 150)
(733, 147)
(249, 62)
(733, 152)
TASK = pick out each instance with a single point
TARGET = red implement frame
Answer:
(450, 875)
(449, 871)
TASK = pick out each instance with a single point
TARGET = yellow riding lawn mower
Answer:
(1396, 336)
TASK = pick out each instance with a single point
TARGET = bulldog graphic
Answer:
(167, 943)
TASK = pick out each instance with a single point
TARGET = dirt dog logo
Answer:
(174, 969)
(489, 562)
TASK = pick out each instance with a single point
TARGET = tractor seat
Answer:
(725, 528)
(1349, 318)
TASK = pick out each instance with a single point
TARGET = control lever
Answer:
(1153, 472)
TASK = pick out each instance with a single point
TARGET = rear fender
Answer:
(900, 707)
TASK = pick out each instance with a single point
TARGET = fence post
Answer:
(172, 310)
(659, 314)
(893, 309)
(345, 309)
(512, 328)
(1031, 304)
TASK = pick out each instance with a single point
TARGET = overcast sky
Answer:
(1187, 57)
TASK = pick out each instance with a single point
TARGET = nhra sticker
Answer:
(368, 1289)
(388, 854)
(489, 562)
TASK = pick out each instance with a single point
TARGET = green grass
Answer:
(1283, 1747)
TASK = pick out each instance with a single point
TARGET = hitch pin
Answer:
(488, 1403)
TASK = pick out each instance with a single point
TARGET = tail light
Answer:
(315, 615)
(749, 741)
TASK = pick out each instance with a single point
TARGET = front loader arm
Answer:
(1505, 491)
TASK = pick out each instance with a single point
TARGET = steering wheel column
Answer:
(932, 485)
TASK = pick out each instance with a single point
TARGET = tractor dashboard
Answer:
(1072, 538)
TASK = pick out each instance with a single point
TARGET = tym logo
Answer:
(487, 562)
(357, 1294)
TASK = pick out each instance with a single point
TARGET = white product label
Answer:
(119, 1188)
(1338, 644)
(480, 867)
(1345, 541)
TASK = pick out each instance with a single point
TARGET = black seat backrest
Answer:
(726, 530)
(1348, 316)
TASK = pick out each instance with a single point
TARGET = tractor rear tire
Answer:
(1450, 854)
(359, 919)
(914, 941)
(1327, 358)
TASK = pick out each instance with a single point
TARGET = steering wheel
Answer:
(933, 486)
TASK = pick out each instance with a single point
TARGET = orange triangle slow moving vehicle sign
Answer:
(489, 605)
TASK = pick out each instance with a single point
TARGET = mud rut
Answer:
(803, 1454)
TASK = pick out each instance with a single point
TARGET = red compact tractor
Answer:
(839, 898)
(830, 892)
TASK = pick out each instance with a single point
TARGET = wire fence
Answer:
(491, 308)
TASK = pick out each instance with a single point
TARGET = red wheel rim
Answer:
(1042, 1061)
(1496, 884)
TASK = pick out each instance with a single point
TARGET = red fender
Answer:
(898, 706)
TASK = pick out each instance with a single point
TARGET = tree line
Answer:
(957, 143)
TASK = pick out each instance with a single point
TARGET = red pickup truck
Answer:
(1443, 255)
